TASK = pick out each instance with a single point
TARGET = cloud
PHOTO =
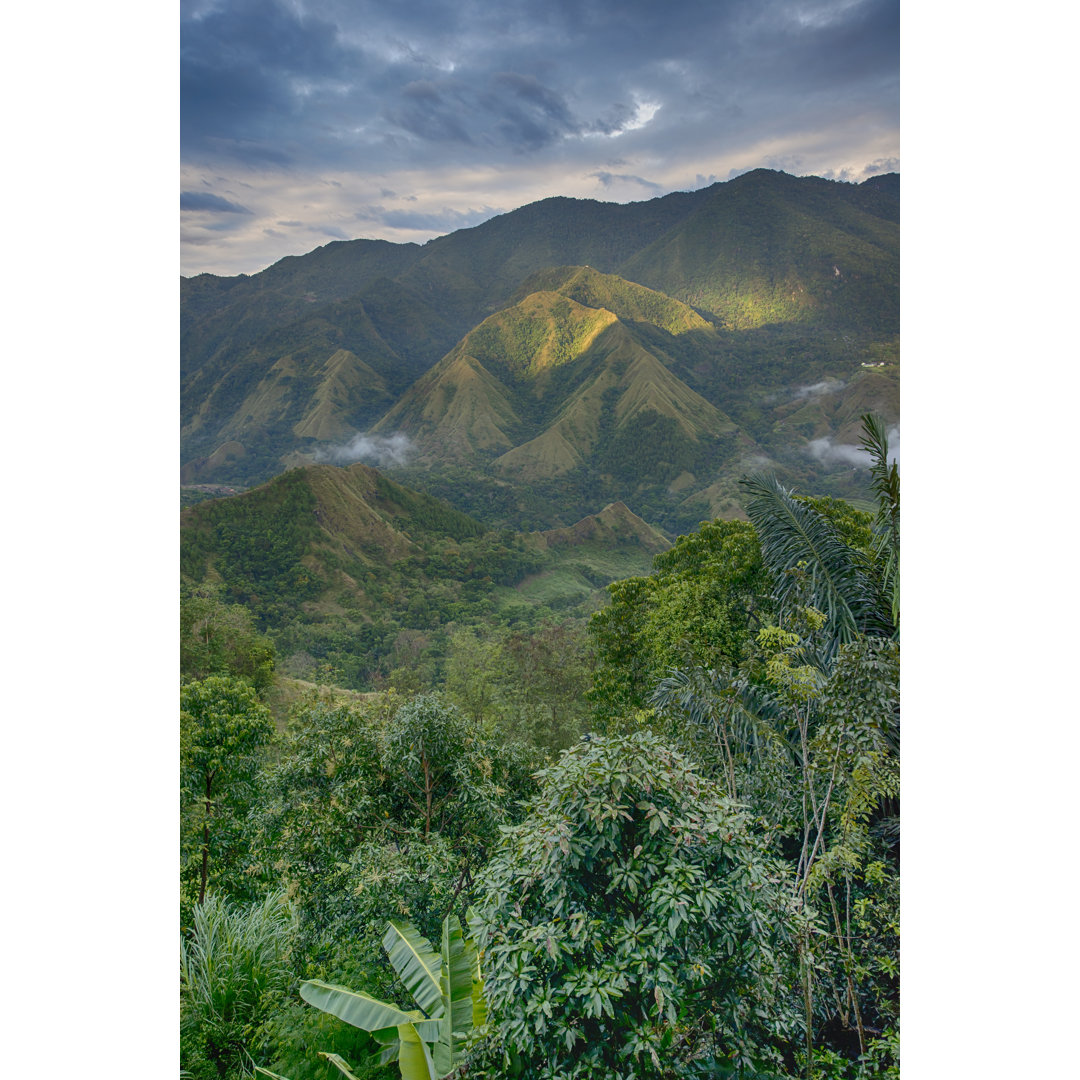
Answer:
(826, 386)
(607, 179)
(827, 452)
(206, 200)
(882, 165)
(440, 221)
(506, 110)
(247, 67)
(372, 449)
(466, 104)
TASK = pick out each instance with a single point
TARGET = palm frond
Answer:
(832, 577)
(709, 699)
(885, 478)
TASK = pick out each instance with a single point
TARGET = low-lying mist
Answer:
(380, 450)
(827, 452)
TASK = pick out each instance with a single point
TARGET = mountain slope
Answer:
(614, 525)
(742, 292)
(307, 519)
(771, 248)
(354, 575)
(552, 382)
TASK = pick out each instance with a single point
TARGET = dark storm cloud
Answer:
(205, 200)
(507, 110)
(246, 69)
(328, 82)
(392, 100)
(442, 221)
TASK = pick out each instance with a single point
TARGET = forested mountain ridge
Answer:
(779, 283)
(675, 836)
(346, 568)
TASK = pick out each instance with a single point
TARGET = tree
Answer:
(223, 731)
(549, 672)
(217, 638)
(384, 809)
(813, 563)
(472, 672)
(702, 605)
(440, 773)
(808, 734)
(630, 921)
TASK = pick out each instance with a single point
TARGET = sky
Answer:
(91, 382)
(306, 121)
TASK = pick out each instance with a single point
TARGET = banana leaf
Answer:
(479, 1002)
(417, 963)
(362, 1010)
(340, 1062)
(456, 987)
(414, 1058)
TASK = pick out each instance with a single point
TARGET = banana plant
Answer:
(427, 1042)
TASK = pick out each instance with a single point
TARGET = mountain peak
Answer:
(615, 524)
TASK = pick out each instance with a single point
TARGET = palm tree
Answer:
(856, 591)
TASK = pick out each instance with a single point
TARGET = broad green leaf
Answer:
(354, 1006)
(414, 1058)
(456, 986)
(417, 963)
(340, 1062)
(479, 1002)
(387, 1054)
(267, 1072)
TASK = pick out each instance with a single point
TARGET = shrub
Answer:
(631, 923)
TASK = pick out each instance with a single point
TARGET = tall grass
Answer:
(233, 963)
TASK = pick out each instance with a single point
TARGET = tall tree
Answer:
(224, 729)
(218, 638)
(813, 564)
(701, 606)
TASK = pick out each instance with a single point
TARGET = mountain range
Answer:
(346, 567)
(565, 355)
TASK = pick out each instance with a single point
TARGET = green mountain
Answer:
(706, 310)
(614, 526)
(552, 391)
(346, 567)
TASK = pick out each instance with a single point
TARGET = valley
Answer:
(545, 576)
(565, 355)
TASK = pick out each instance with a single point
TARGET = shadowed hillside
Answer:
(513, 342)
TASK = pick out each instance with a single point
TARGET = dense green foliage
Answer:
(224, 729)
(630, 922)
(233, 968)
(428, 1042)
(675, 837)
(218, 638)
(700, 606)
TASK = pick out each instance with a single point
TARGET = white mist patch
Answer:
(805, 393)
(827, 452)
(370, 449)
(826, 386)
